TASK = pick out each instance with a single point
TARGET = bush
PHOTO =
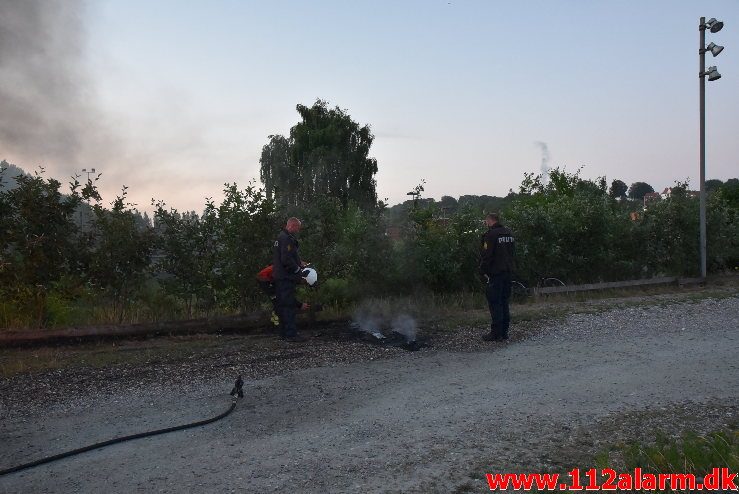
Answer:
(56, 269)
(336, 291)
(571, 229)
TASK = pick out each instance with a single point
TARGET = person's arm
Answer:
(486, 253)
(289, 257)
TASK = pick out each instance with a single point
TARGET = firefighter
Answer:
(287, 270)
(497, 262)
(266, 282)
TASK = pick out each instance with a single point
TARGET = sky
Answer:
(173, 99)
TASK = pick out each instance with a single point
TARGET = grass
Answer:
(449, 311)
(690, 454)
(456, 307)
(694, 454)
(435, 313)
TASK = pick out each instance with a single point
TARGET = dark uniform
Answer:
(286, 272)
(497, 262)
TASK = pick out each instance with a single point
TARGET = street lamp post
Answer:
(89, 172)
(714, 26)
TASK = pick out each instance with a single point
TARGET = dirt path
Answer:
(427, 422)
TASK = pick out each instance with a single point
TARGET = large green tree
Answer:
(639, 189)
(38, 234)
(120, 253)
(326, 155)
(187, 254)
(618, 189)
(276, 171)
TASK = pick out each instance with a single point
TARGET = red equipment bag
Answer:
(265, 274)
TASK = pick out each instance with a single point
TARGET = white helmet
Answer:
(310, 276)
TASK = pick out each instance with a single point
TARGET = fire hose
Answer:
(236, 393)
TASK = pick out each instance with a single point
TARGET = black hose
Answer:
(236, 393)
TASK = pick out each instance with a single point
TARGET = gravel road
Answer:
(390, 421)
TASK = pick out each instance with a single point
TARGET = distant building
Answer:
(651, 197)
(668, 192)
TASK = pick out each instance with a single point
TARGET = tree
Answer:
(618, 189)
(730, 191)
(246, 228)
(437, 254)
(672, 233)
(37, 239)
(483, 204)
(121, 253)
(326, 155)
(713, 184)
(639, 189)
(187, 254)
(448, 205)
(568, 228)
(276, 171)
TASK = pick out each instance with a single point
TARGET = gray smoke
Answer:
(374, 316)
(544, 160)
(406, 326)
(51, 116)
(369, 318)
(44, 93)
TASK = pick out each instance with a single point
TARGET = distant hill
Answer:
(8, 172)
(448, 205)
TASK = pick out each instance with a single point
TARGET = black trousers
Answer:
(498, 293)
(286, 307)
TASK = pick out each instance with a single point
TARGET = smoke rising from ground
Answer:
(369, 318)
(375, 316)
(405, 325)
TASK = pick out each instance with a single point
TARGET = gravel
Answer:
(338, 414)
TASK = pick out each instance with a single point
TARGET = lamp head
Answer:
(714, 49)
(713, 74)
(714, 25)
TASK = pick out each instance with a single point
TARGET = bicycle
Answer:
(550, 282)
(519, 290)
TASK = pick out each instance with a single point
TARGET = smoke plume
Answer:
(369, 318)
(45, 96)
(374, 316)
(544, 159)
(52, 116)
(406, 326)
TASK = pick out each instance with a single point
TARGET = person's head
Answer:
(293, 225)
(491, 219)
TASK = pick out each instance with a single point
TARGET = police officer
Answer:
(287, 272)
(497, 261)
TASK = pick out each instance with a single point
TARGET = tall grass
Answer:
(692, 453)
